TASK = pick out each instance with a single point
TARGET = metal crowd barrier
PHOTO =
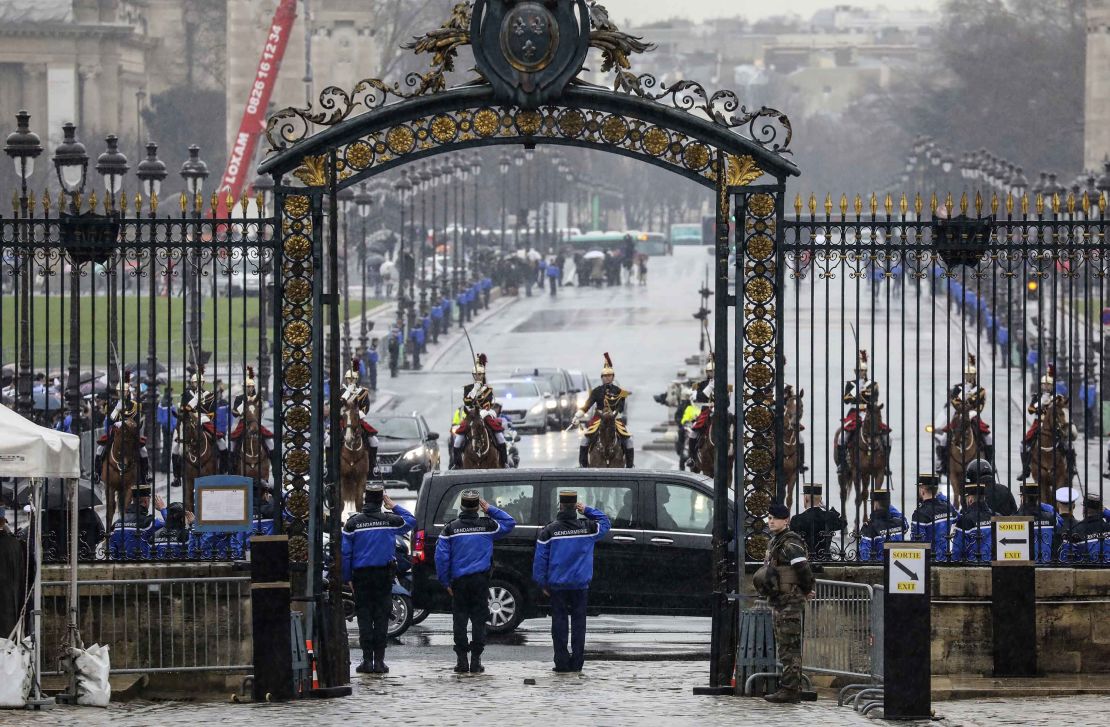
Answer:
(157, 625)
(842, 631)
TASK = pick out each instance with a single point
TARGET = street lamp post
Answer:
(23, 146)
(345, 198)
(71, 163)
(264, 185)
(364, 202)
(462, 173)
(518, 162)
(194, 171)
(503, 166)
(112, 167)
(151, 171)
(475, 172)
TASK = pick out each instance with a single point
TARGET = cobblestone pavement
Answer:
(607, 693)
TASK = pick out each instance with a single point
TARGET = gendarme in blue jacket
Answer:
(370, 538)
(466, 544)
(565, 550)
(932, 523)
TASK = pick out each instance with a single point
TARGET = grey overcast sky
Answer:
(646, 11)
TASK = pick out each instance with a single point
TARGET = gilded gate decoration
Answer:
(529, 56)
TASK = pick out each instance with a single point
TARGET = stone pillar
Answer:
(1097, 116)
(88, 95)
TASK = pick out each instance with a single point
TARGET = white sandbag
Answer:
(15, 673)
(92, 667)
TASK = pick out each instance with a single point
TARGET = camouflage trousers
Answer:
(788, 642)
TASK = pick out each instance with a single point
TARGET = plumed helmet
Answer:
(249, 382)
(709, 366)
(969, 370)
(607, 367)
(352, 373)
(480, 362)
(1049, 375)
(861, 369)
(125, 383)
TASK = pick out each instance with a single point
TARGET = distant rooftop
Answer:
(36, 11)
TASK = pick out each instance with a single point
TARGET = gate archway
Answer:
(529, 58)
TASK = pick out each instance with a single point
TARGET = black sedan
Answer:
(407, 449)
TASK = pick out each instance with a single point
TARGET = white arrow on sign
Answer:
(907, 571)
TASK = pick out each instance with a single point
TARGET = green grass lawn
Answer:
(229, 326)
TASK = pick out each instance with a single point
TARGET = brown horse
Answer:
(199, 457)
(792, 441)
(354, 459)
(120, 469)
(965, 445)
(606, 451)
(707, 450)
(480, 452)
(253, 461)
(1047, 462)
(868, 458)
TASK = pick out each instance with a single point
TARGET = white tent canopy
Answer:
(28, 450)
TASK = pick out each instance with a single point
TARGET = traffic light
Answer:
(1032, 285)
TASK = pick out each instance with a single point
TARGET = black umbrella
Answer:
(54, 496)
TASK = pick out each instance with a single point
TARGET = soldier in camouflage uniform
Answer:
(787, 581)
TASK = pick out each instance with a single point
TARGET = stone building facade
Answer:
(1097, 114)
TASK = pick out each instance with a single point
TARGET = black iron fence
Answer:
(892, 314)
(95, 293)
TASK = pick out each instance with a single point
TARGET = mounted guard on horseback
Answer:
(126, 412)
(478, 398)
(1042, 402)
(965, 399)
(608, 398)
(862, 395)
(249, 405)
(357, 397)
(703, 396)
(195, 401)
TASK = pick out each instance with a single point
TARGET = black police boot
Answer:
(583, 457)
(365, 667)
(476, 661)
(175, 467)
(503, 455)
(629, 457)
(379, 661)
(461, 664)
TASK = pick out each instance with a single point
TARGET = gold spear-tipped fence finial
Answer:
(213, 203)
(1010, 203)
(1102, 203)
(230, 202)
(843, 205)
(798, 204)
(828, 205)
(1086, 203)
(154, 203)
(994, 203)
(123, 203)
(903, 204)
(888, 204)
(92, 201)
(260, 204)
(138, 204)
(874, 205)
(857, 205)
(78, 199)
(46, 202)
(963, 203)
(812, 204)
(1071, 203)
(198, 203)
(1056, 203)
(1024, 205)
(933, 202)
(1038, 204)
(948, 202)
(184, 202)
(31, 203)
(918, 204)
(244, 201)
(978, 203)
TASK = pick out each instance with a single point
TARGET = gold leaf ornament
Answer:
(313, 172)
(742, 170)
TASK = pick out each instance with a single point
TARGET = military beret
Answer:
(779, 511)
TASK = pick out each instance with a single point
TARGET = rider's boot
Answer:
(175, 467)
(373, 459)
(1026, 456)
(144, 470)
(223, 461)
(456, 459)
(1073, 471)
(629, 457)
(692, 454)
(583, 456)
(802, 466)
(502, 455)
(98, 462)
(988, 452)
(840, 457)
(942, 458)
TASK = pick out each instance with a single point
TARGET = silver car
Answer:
(522, 403)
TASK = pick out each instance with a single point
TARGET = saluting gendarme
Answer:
(464, 558)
